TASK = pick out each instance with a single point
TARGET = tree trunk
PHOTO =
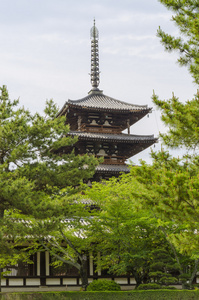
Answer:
(1, 212)
(83, 273)
(0, 277)
(194, 272)
(138, 278)
(1, 217)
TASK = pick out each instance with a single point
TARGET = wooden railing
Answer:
(116, 160)
(101, 129)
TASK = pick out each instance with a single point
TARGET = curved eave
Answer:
(97, 101)
(63, 110)
(108, 109)
(119, 138)
(116, 169)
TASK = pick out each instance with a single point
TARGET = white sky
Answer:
(45, 53)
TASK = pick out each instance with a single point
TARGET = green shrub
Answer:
(168, 288)
(103, 285)
(108, 295)
(149, 286)
(168, 280)
(154, 286)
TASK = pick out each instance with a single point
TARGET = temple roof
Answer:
(102, 168)
(96, 100)
(122, 138)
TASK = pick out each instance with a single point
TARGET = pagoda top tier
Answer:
(96, 100)
(99, 102)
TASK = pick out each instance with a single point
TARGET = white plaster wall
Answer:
(52, 281)
(121, 280)
(32, 281)
(3, 282)
(132, 281)
(16, 281)
(89, 280)
(70, 281)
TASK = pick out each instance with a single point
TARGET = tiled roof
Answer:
(125, 138)
(102, 101)
(99, 101)
(112, 168)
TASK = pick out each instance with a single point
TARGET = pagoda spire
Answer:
(94, 35)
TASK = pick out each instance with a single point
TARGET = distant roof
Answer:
(112, 168)
(98, 101)
(112, 137)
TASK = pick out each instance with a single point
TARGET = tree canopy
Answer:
(35, 173)
(33, 166)
(173, 183)
(131, 234)
(186, 18)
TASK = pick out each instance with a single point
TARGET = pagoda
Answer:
(99, 121)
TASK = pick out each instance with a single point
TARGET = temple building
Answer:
(99, 121)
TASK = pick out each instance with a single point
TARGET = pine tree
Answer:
(186, 18)
(34, 172)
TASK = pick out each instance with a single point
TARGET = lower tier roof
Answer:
(103, 168)
(121, 138)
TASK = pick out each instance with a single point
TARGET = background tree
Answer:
(170, 192)
(182, 121)
(66, 235)
(182, 118)
(173, 183)
(129, 233)
(33, 166)
(186, 18)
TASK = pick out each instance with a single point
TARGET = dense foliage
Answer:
(154, 286)
(131, 234)
(36, 178)
(186, 18)
(149, 286)
(130, 295)
(182, 116)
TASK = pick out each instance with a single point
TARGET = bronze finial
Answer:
(94, 35)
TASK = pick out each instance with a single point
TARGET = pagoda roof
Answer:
(122, 138)
(103, 168)
(96, 100)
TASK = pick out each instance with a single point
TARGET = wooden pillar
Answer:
(98, 258)
(91, 264)
(38, 263)
(128, 126)
(79, 122)
(43, 268)
(47, 256)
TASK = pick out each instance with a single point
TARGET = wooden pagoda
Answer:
(99, 121)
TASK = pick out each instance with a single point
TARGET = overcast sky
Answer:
(45, 53)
